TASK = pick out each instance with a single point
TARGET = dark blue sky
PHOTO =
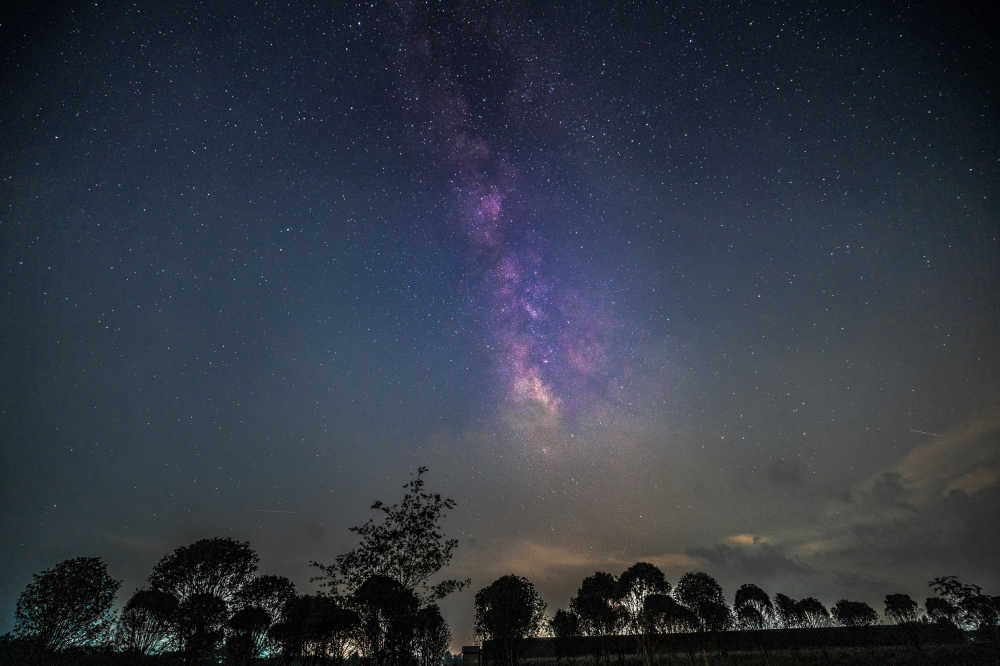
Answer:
(712, 287)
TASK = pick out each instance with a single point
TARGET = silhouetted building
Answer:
(470, 655)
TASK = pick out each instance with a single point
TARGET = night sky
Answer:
(708, 285)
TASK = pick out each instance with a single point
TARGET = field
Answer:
(969, 655)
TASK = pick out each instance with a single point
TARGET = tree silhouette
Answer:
(388, 611)
(199, 625)
(854, 613)
(508, 610)
(432, 636)
(633, 586)
(753, 607)
(68, 605)
(219, 567)
(312, 625)
(146, 623)
(594, 604)
(268, 592)
(565, 627)
(941, 610)
(788, 612)
(812, 613)
(703, 595)
(663, 614)
(248, 632)
(976, 610)
(900, 608)
(407, 545)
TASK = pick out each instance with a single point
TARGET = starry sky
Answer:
(710, 285)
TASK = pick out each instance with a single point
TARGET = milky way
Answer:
(548, 333)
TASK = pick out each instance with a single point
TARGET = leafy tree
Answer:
(508, 610)
(565, 626)
(976, 610)
(753, 607)
(268, 592)
(703, 595)
(662, 614)
(432, 636)
(199, 624)
(900, 608)
(219, 567)
(633, 586)
(146, 623)
(788, 611)
(812, 612)
(312, 625)
(854, 613)
(388, 611)
(408, 546)
(248, 633)
(594, 604)
(941, 610)
(68, 605)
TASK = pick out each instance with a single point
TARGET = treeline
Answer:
(642, 604)
(206, 603)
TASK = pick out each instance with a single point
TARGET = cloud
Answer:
(785, 473)
(527, 558)
(747, 556)
(965, 457)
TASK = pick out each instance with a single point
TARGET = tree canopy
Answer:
(753, 607)
(635, 584)
(146, 622)
(507, 611)
(219, 566)
(407, 545)
(68, 605)
(703, 595)
(854, 613)
(900, 608)
(594, 604)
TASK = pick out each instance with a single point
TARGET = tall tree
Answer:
(268, 592)
(976, 610)
(68, 605)
(565, 627)
(508, 610)
(388, 613)
(753, 607)
(787, 611)
(312, 625)
(941, 610)
(595, 604)
(146, 623)
(247, 634)
(812, 612)
(219, 567)
(407, 545)
(432, 636)
(703, 595)
(634, 585)
(854, 613)
(199, 624)
(662, 614)
(900, 608)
